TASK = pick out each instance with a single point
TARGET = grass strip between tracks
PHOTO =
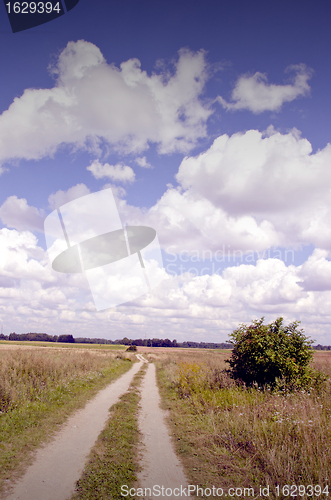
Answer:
(113, 461)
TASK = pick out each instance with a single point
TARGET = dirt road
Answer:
(59, 464)
(160, 464)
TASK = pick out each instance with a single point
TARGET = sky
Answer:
(210, 122)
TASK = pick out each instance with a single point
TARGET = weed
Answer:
(39, 388)
(232, 436)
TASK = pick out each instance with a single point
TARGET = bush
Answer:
(274, 355)
(132, 348)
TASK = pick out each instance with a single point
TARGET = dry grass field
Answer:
(227, 435)
(39, 388)
(232, 436)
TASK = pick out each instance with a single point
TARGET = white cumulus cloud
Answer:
(117, 173)
(59, 198)
(16, 213)
(185, 307)
(251, 191)
(253, 92)
(255, 173)
(316, 271)
(142, 162)
(124, 108)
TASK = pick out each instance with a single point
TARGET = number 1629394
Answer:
(33, 7)
(293, 490)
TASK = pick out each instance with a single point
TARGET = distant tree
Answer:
(320, 347)
(272, 354)
(14, 336)
(137, 342)
(66, 338)
(132, 347)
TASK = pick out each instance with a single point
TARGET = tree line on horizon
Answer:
(37, 337)
(44, 337)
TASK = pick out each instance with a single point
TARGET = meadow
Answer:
(39, 388)
(228, 435)
(57, 345)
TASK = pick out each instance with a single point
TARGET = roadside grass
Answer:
(39, 389)
(65, 345)
(231, 436)
(113, 461)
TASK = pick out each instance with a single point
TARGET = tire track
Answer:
(160, 464)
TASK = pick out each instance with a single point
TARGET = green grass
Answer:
(39, 389)
(113, 460)
(230, 436)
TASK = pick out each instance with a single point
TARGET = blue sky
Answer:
(210, 121)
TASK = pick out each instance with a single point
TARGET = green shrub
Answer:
(132, 348)
(275, 355)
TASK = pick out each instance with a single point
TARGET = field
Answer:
(230, 436)
(39, 388)
(226, 435)
(56, 345)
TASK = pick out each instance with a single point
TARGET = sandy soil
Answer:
(60, 464)
(160, 464)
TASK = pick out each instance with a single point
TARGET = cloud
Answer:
(117, 173)
(95, 103)
(21, 256)
(250, 191)
(142, 162)
(76, 60)
(258, 173)
(189, 222)
(59, 198)
(257, 95)
(118, 191)
(316, 271)
(266, 286)
(16, 213)
(31, 293)
(273, 178)
(186, 307)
